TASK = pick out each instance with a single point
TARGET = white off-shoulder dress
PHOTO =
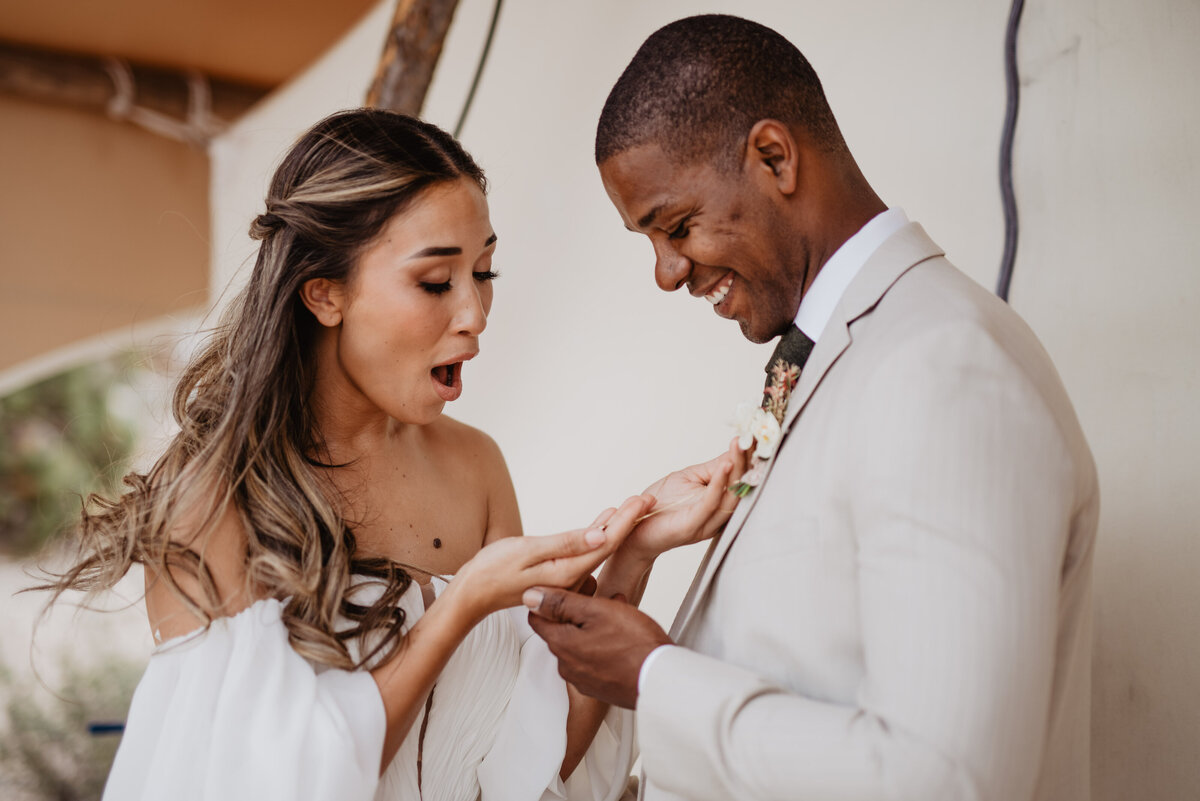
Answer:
(233, 712)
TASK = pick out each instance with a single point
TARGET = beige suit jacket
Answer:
(902, 609)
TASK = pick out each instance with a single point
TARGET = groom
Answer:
(900, 607)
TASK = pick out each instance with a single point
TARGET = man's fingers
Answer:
(560, 638)
(555, 605)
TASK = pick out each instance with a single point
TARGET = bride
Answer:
(297, 531)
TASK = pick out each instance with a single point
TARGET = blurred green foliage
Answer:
(46, 750)
(58, 443)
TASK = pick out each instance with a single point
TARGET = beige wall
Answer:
(594, 382)
(1108, 275)
(103, 226)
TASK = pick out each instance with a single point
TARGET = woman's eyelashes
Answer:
(435, 289)
(445, 286)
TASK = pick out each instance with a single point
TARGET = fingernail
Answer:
(595, 537)
(532, 598)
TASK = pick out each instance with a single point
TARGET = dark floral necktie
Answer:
(783, 370)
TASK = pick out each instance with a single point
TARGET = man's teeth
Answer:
(718, 294)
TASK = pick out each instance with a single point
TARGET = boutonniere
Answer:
(759, 429)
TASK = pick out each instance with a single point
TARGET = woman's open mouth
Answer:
(447, 380)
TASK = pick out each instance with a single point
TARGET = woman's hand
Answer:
(690, 505)
(496, 577)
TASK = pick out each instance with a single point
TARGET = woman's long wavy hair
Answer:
(247, 435)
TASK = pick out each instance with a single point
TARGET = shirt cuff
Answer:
(649, 660)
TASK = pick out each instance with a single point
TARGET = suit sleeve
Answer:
(962, 492)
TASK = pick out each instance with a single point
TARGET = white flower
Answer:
(756, 425)
(743, 422)
(766, 434)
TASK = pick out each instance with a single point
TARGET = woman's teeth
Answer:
(720, 291)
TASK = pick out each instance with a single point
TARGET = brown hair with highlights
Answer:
(247, 432)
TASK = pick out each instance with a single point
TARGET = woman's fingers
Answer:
(725, 504)
(625, 518)
(565, 566)
(738, 458)
(601, 518)
(609, 529)
(711, 501)
(562, 546)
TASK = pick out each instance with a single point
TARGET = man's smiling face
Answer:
(719, 232)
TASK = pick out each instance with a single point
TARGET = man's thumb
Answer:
(547, 602)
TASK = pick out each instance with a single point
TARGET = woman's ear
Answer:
(772, 154)
(324, 298)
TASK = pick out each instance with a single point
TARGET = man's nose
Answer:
(671, 268)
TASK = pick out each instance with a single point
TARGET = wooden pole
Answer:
(411, 51)
(91, 83)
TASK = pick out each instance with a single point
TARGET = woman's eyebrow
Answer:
(436, 250)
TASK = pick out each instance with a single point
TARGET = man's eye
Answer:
(678, 232)
(486, 275)
(435, 289)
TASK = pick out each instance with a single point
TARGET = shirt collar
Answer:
(818, 303)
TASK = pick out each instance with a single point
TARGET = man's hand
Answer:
(600, 643)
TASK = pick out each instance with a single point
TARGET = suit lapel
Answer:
(824, 354)
(903, 250)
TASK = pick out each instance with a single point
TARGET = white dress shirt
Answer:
(818, 303)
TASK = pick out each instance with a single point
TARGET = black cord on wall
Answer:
(1008, 198)
(487, 47)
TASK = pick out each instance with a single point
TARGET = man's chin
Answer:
(757, 336)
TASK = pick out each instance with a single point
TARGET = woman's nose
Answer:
(471, 316)
(671, 268)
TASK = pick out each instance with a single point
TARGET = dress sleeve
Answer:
(234, 712)
(527, 755)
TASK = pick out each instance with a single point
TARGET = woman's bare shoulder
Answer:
(480, 457)
(212, 532)
(466, 444)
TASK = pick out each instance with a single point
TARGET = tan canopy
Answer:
(103, 223)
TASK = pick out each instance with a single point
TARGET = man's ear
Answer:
(773, 155)
(324, 298)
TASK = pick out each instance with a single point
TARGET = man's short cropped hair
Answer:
(698, 85)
